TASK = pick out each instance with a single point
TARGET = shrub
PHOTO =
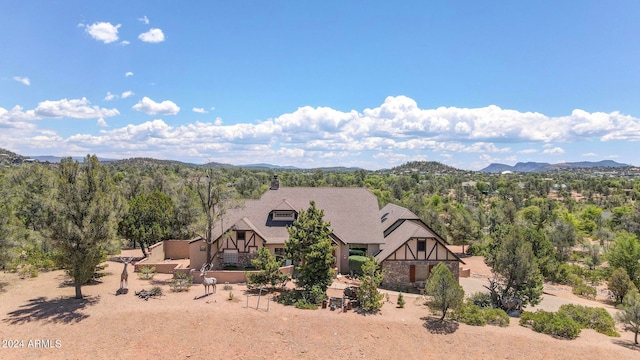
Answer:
(560, 325)
(574, 280)
(585, 291)
(147, 272)
(156, 291)
(302, 299)
(594, 318)
(28, 270)
(495, 317)
(481, 299)
(470, 314)
(181, 282)
(230, 296)
(355, 263)
(478, 249)
(227, 287)
(357, 252)
(401, 301)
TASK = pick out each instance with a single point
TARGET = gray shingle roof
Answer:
(352, 212)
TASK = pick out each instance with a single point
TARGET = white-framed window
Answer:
(283, 215)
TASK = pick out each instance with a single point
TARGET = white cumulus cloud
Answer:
(154, 35)
(393, 132)
(110, 96)
(151, 107)
(103, 31)
(554, 151)
(199, 110)
(127, 94)
(24, 80)
(144, 20)
(128, 73)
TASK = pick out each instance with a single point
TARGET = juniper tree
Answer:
(515, 269)
(444, 288)
(268, 270)
(630, 313)
(148, 219)
(84, 217)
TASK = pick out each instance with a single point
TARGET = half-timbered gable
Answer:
(411, 249)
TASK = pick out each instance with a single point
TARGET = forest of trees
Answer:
(571, 222)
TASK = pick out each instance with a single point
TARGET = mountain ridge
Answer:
(532, 166)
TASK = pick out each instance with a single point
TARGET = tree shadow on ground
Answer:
(629, 344)
(66, 281)
(60, 310)
(441, 327)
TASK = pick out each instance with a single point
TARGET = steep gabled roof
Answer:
(352, 212)
(284, 206)
(392, 213)
(400, 225)
(245, 224)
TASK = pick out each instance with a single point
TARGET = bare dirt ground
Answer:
(190, 326)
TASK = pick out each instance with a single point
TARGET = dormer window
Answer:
(283, 215)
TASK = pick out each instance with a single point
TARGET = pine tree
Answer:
(371, 300)
(443, 286)
(309, 246)
(84, 217)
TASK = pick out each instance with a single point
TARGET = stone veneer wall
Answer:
(396, 273)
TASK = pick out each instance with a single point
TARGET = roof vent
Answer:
(275, 183)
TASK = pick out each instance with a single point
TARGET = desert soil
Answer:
(40, 319)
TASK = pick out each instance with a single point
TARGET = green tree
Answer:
(371, 300)
(625, 253)
(620, 284)
(11, 232)
(309, 246)
(215, 198)
(445, 290)
(84, 220)
(148, 219)
(562, 234)
(462, 228)
(268, 270)
(630, 313)
(515, 269)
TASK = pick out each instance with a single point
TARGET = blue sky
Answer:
(372, 84)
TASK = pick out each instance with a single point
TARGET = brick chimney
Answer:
(275, 183)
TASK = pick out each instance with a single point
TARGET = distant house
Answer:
(356, 223)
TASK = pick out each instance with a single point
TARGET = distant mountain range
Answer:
(541, 167)
(7, 157)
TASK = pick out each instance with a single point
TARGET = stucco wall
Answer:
(161, 268)
(232, 277)
(196, 256)
(157, 253)
(396, 274)
(176, 249)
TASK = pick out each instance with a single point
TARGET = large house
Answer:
(406, 247)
